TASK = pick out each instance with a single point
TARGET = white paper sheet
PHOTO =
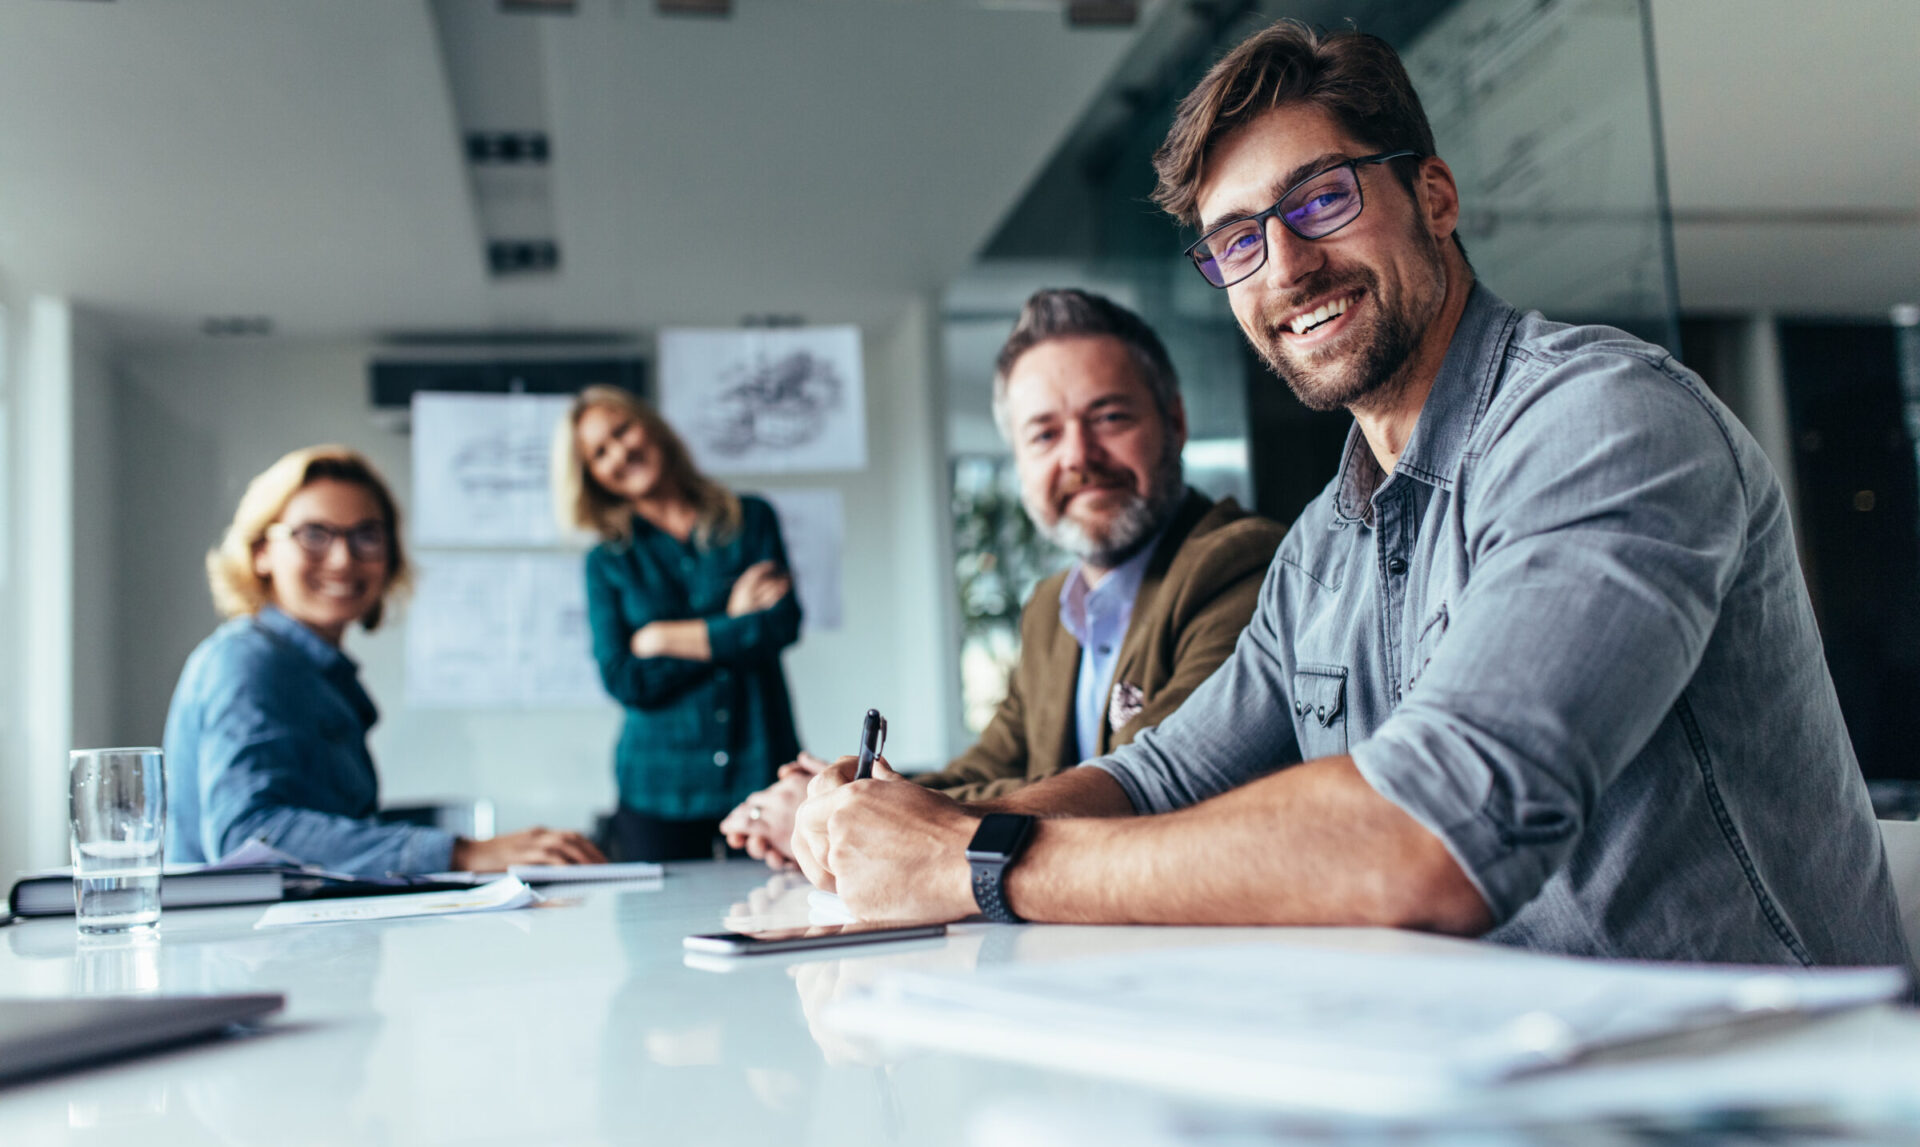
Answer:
(767, 401)
(499, 896)
(1389, 1034)
(480, 469)
(586, 873)
(492, 630)
(813, 524)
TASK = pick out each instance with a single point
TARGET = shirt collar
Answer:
(315, 648)
(1461, 393)
(1122, 585)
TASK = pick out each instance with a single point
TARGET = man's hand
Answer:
(530, 846)
(759, 587)
(893, 851)
(763, 823)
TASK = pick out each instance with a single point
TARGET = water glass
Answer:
(118, 813)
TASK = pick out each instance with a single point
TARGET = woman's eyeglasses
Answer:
(366, 542)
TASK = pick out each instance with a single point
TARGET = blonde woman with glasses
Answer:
(267, 734)
(690, 605)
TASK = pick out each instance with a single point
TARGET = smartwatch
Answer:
(997, 843)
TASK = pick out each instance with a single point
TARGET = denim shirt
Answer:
(699, 736)
(267, 737)
(1568, 635)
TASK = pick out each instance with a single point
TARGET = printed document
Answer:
(1375, 1032)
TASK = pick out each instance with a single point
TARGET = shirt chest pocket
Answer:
(1320, 710)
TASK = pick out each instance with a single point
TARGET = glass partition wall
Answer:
(1547, 112)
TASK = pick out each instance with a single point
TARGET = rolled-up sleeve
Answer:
(1232, 729)
(1603, 526)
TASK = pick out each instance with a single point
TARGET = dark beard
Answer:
(1374, 374)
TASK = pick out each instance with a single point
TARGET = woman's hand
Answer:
(686, 640)
(763, 823)
(760, 587)
(530, 846)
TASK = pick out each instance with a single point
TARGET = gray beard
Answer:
(1137, 522)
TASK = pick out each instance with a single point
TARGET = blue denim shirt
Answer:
(1569, 635)
(267, 737)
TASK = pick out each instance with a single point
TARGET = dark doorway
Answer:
(1861, 523)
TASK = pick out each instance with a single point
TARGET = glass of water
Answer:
(118, 812)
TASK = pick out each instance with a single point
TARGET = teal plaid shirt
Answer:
(699, 735)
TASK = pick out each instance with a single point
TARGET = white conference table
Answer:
(577, 1022)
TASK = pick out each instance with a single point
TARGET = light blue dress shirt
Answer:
(1569, 635)
(1098, 619)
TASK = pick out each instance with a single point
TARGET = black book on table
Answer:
(51, 894)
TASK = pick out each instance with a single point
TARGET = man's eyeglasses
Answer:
(1313, 208)
(366, 542)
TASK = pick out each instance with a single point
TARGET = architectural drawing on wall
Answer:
(766, 401)
(1542, 108)
(813, 524)
(480, 469)
(489, 630)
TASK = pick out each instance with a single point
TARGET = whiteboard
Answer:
(487, 630)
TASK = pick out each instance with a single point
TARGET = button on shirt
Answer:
(1098, 619)
(267, 737)
(1569, 635)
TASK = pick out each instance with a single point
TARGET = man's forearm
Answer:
(1076, 792)
(1312, 844)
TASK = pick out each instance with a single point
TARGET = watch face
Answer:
(999, 834)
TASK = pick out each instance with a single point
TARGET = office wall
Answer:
(195, 421)
(61, 546)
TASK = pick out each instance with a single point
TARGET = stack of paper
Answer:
(1379, 1033)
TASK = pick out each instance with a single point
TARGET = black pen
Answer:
(873, 738)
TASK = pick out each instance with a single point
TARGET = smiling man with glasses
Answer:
(1538, 665)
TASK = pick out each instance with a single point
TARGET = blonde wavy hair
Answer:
(581, 502)
(237, 589)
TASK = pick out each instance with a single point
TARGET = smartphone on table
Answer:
(806, 938)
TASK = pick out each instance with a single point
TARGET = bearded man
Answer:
(1538, 665)
(1163, 580)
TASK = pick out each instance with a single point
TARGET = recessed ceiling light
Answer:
(236, 326)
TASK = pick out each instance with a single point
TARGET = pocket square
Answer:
(1124, 705)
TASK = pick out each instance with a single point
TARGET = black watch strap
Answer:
(997, 843)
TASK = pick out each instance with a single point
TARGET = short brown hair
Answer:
(1354, 77)
(581, 502)
(1064, 313)
(237, 589)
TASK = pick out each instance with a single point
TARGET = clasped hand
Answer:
(892, 849)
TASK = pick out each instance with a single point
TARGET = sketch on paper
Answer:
(766, 401)
(813, 524)
(480, 469)
(493, 630)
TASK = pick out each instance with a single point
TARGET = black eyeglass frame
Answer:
(1273, 212)
(379, 548)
